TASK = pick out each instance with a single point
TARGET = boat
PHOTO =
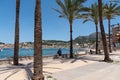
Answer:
(1, 50)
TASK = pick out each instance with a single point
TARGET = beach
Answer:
(54, 67)
(35, 44)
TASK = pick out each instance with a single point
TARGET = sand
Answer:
(50, 66)
(11, 72)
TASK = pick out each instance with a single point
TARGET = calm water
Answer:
(6, 53)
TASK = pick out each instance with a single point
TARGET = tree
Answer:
(70, 10)
(16, 42)
(106, 54)
(93, 15)
(110, 11)
(38, 65)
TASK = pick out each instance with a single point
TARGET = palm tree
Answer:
(110, 11)
(93, 15)
(70, 10)
(106, 58)
(38, 65)
(16, 42)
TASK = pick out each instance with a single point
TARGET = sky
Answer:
(54, 28)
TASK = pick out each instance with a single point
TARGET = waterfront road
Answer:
(95, 71)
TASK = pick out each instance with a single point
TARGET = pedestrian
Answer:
(59, 52)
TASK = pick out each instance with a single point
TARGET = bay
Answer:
(6, 53)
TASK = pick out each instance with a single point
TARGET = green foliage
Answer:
(91, 14)
(51, 42)
(50, 78)
(91, 41)
(70, 9)
(111, 10)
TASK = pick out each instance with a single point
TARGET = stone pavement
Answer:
(95, 71)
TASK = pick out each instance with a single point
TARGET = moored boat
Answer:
(1, 50)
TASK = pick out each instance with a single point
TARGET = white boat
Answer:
(1, 50)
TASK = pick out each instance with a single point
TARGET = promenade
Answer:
(96, 71)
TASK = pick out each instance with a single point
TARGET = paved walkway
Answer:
(95, 71)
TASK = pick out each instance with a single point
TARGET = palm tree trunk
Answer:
(106, 54)
(110, 50)
(71, 41)
(96, 38)
(38, 64)
(16, 42)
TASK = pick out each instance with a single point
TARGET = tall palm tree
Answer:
(16, 42)
(38, 65)
(106, 58)
(70, 10)
(93, 15)
(111, 11)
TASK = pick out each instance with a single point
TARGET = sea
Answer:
(9, 52)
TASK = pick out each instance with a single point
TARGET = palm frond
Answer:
(91, 14)
(87, 20)
(57, 11)
(62, 6)
(70, 9)
(111, 10)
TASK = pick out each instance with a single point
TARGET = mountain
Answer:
(93, 35)
(57, 43)
(83, 39)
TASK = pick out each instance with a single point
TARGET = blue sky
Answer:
(54, 28)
